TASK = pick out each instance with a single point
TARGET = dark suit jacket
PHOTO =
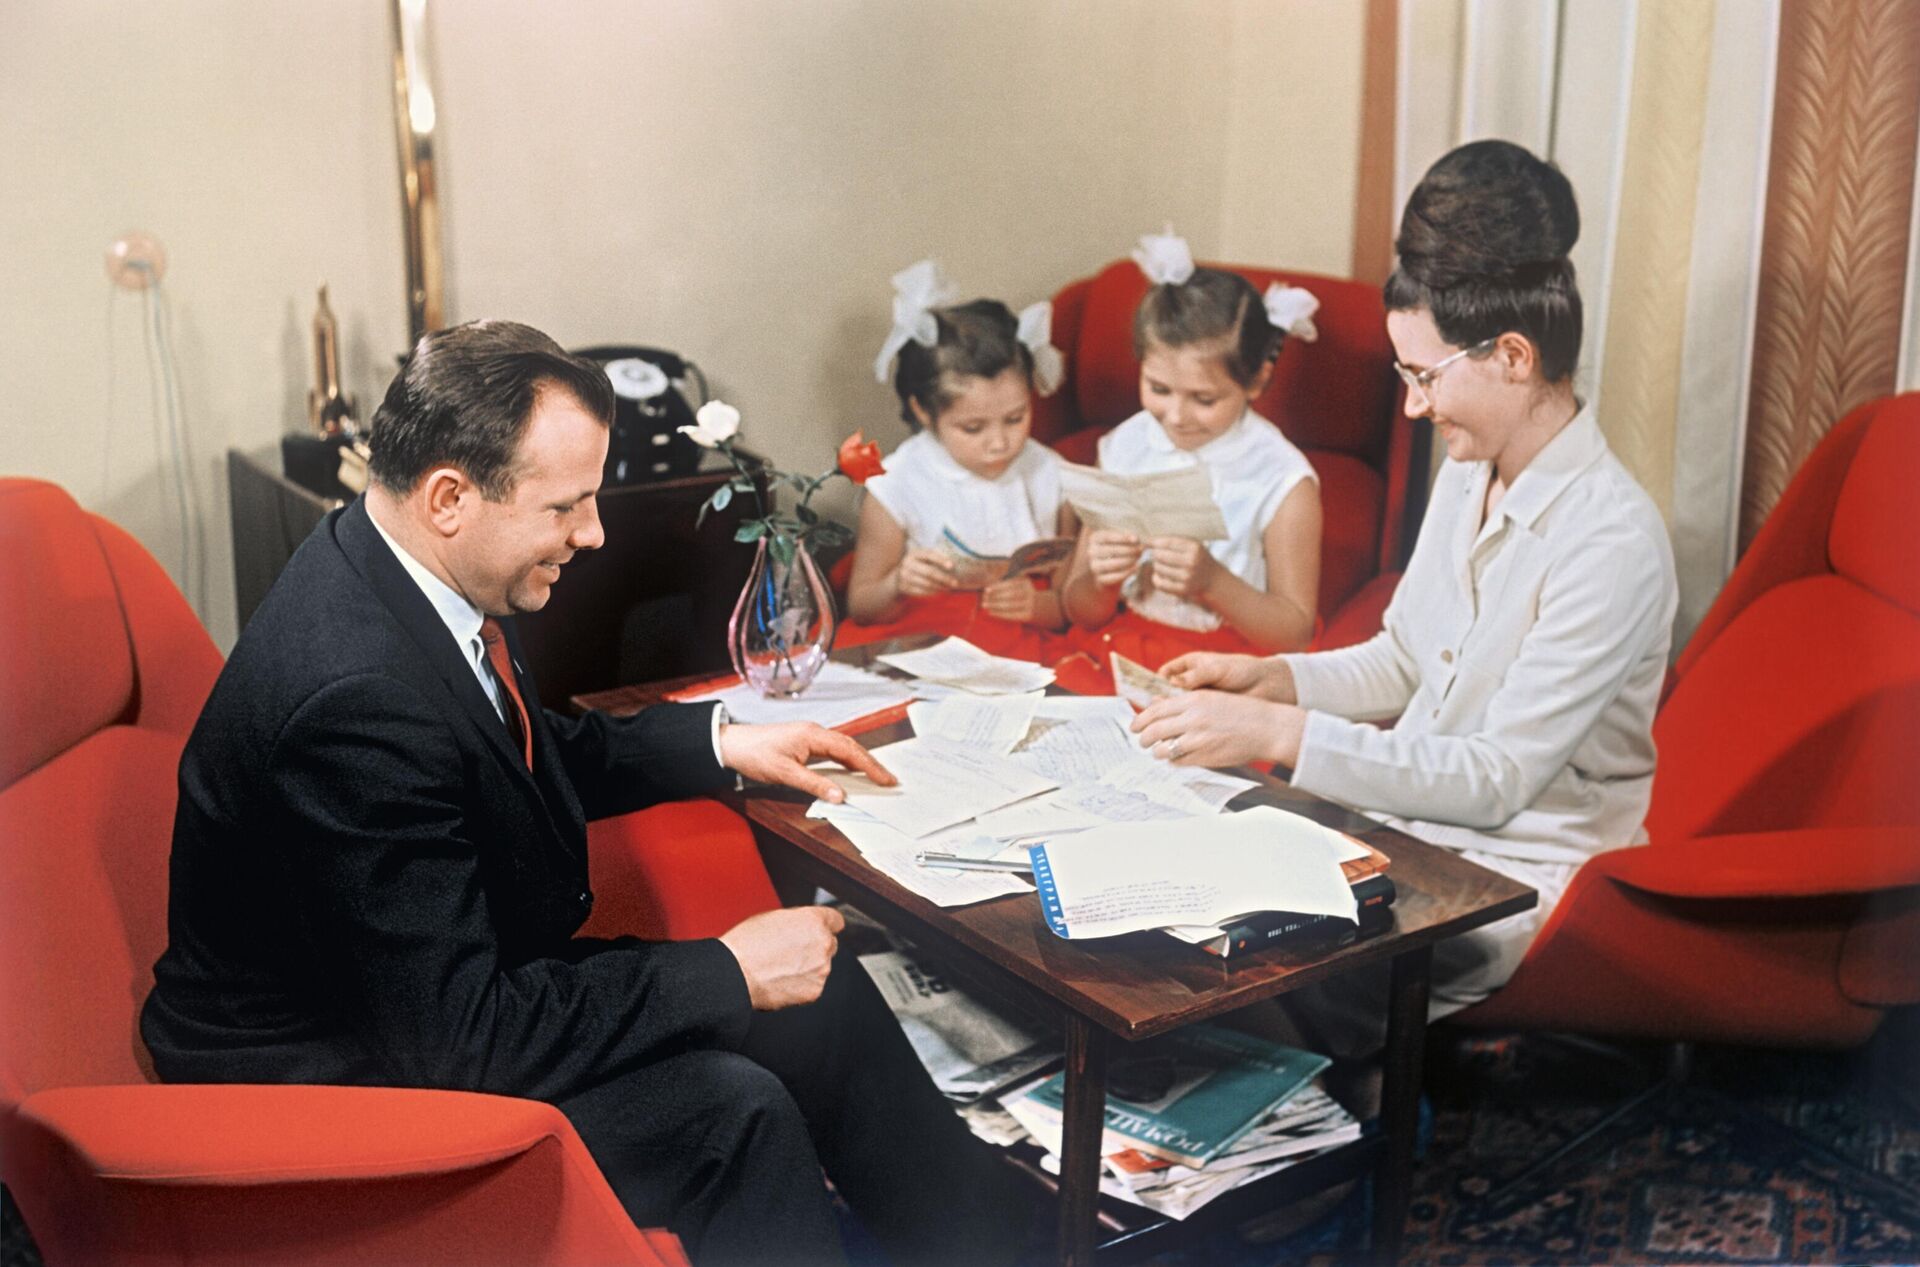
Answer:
(369, 886)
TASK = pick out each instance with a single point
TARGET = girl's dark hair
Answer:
(976, 340)
(1483, 247)
(1212, 306)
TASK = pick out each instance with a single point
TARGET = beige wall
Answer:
(735, 180)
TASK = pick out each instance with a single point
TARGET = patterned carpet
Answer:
(1774, 1158)
(1781, 1158)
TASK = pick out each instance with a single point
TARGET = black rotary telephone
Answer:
(649, 409)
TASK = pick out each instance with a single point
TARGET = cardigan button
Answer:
(1446, 657)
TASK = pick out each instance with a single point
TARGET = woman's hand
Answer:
(1268, 677)
(1112, 556)
(1182, 567)
(1214, 729)
(1017, 599)
(923, 573)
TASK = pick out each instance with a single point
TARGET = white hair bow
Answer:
(917, 291)
(1291, 310)
(1036, 331)
(1164, 258)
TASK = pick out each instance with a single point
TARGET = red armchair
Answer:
(1337, 398)
(106, 670)
(1779, 901)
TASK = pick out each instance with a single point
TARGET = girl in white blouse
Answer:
(970, 479)
(1206, 341)
(1524, 650)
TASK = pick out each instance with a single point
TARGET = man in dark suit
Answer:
(379, 861)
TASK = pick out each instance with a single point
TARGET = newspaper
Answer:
(970, 1050)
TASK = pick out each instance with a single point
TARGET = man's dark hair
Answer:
(976, 340)
(1214, 309)
(466, 396)
(1483, 247)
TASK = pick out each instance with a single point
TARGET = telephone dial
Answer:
(650, 407)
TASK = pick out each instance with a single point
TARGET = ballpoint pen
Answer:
(934, 858)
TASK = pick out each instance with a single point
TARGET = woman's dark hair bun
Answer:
(1488, 210)
(1483, 248)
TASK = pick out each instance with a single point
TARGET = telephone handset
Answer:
(649, 409)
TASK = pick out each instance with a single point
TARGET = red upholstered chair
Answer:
(1337, 398)
(1779, 901)
(105, 671)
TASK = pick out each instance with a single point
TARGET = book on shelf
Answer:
(1192, 1093)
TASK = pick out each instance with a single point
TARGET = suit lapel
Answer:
(369, 555)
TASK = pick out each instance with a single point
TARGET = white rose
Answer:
(716, 421)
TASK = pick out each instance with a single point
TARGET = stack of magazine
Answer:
(1190, 1115)
(1194, 1115)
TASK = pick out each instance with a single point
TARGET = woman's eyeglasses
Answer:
(1422, 380)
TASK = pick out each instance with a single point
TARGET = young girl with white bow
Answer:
(969, 480)
(1206, 341)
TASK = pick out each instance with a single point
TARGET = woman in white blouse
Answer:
(1524, 650)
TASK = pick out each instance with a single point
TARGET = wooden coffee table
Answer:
(1123, 989)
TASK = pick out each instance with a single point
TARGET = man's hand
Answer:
(1182, 567)
(1213, 728)
(1112, 556)
(1269, 677)
(1017, 599)
(785, 955)
(779, 753)
(923, 573)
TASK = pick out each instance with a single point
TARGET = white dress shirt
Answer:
(927, 492)
(1524, 659)
(1253, 468)
(463, 621)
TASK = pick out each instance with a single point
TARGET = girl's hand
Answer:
(1268, 678)
(924, 573)
(1112, 556)
(1016, 599)
(1182, 567)
(1214, 729)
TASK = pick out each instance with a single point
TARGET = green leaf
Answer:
(742, 484)
(808, 515)
(721, 496)
(781, 547)
(701, 518)
(752, 530)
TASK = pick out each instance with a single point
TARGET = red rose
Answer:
(860, 458)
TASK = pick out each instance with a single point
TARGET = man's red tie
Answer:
(496, 644)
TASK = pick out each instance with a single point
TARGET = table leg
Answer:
(1083, 1119)
(1400, 1099)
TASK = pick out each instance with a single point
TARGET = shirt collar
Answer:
(1578, 446)
(461, 618)
(1212, 452)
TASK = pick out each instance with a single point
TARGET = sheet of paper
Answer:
(1113, 803)
(996, 723)
(957, 662)
(940, 784)
(1158, 781)
(1135, 683)
(1166, 504)
(892, 854)
(1125, 878)
(1075, 752)
(1083, 708)
(839, 694)
(1211, 786)
(1040, 816)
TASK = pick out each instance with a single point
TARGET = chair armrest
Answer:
(313, 1176)
(257, 1134)
(1810, 862)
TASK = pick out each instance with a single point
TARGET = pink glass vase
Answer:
(783, 626)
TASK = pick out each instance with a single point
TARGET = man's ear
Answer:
(445, 494)
(1517, 356)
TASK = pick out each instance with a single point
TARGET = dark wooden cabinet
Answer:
(652, 603)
